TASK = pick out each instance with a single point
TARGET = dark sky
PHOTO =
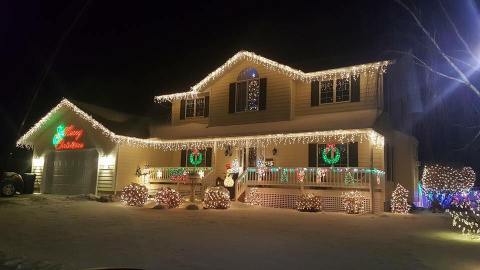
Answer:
(120, 54)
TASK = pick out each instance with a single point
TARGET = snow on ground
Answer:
(81, 234)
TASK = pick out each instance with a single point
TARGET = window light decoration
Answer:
(134, 195)
(309, 203)
(369, 69)
(353, 202)
(253, 197)
(216, 198)
(341, 136)
(168, 196)
(399, 203)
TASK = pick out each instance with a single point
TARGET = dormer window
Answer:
(246, 93)
(192, 108)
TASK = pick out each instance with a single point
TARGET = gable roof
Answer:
(295, 74)
(112, 122)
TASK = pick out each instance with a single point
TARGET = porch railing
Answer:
(172, 174)
(241, 184)
(310, 177)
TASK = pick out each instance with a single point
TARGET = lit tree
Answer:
(442, 182)
(465, 213)
(399, 203)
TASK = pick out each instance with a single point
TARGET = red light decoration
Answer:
(68, 138)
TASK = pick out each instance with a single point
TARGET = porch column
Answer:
(372, 191)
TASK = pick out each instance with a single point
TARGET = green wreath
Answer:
(195, 159)
(325, 155)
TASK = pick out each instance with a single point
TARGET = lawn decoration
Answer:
(309, 203)
(216, 198)
(465, 213)
(168, 196)
(134, 195)
(399, 203)
(353, 202)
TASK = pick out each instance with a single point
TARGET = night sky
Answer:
(120, 54)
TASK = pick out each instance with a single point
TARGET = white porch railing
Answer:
(321, 177)
(172, 174)
(241, 184)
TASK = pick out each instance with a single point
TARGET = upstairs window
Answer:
(335, 91)
(342, 92)
(193, 107)
(326, 91)
(247, 97)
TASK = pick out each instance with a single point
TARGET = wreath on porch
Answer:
(195, 157)
(327, 154)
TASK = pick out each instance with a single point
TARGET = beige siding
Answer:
(129, 158)
(368, 98)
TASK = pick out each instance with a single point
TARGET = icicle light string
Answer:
(369, 69)
(340, 136)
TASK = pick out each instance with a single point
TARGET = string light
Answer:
(465, 213)
(353, 202)
(228, 182)
(369, 69)
(340, 136)
(309, 203)
(349, 179)
(168, 196)
(253, 197)
(399, 203)
(216, 198)
(300, 173)
(134, 195)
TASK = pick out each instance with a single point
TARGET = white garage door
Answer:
(71, 172)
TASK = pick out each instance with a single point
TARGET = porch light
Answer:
(106, 160)
(38, 161)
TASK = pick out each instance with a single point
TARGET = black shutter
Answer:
(263, 94)
(231, 98)
(206, 109)
(182, 109)
(355, 82)
(314, 93)
(312, 155)
(208, 157)
(353, 154)
(321, 162)
(183, 158)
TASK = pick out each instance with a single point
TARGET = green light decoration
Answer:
(284, 176)
(195, 157)
(326, 154)
(58, 137)
(349, 179)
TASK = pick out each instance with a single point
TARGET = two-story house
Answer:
(278, 129)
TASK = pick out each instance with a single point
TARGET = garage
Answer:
(71, 172)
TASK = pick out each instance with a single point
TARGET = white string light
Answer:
(399, 203)
(370, 68)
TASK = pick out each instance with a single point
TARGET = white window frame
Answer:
(194, 108)
(246, 95)
(334, 98)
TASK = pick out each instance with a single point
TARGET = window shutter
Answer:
(355, 82)
(263, 94)
(231, 98)
(312, 155)
(321, 162)
(183, 158)
(182, 109)
(353, 154)
(314, 93)
(206, 109)
(208, 157)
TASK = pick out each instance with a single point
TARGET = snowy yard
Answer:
(80, 234)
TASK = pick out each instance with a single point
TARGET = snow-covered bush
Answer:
(309, 203)
(253, 197)
(216, 198)
(465, 213)
(399, 203)
(134, 195)
(353, 202)
(168, 196)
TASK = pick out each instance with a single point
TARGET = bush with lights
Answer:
(134, 195)
(353, 202)
(465, 213)
(216, 198)
(440, 183)
(253, 197)
(309, 203)
(399, 203)
(168, 196)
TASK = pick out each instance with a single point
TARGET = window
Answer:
(204, 158)
(340, 94)
(194, 107)
(342, 90)
(348, 155)
(247, 96)
(326, 91)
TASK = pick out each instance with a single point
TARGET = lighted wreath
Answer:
(195, 157)
(326, 154)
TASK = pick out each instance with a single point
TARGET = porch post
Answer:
(372, 191)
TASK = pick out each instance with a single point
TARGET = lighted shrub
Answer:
(353, 202)
(216, 198)
(134, 195)
(253, 197)
(168, 196)
(399, 203)
(309, 203)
